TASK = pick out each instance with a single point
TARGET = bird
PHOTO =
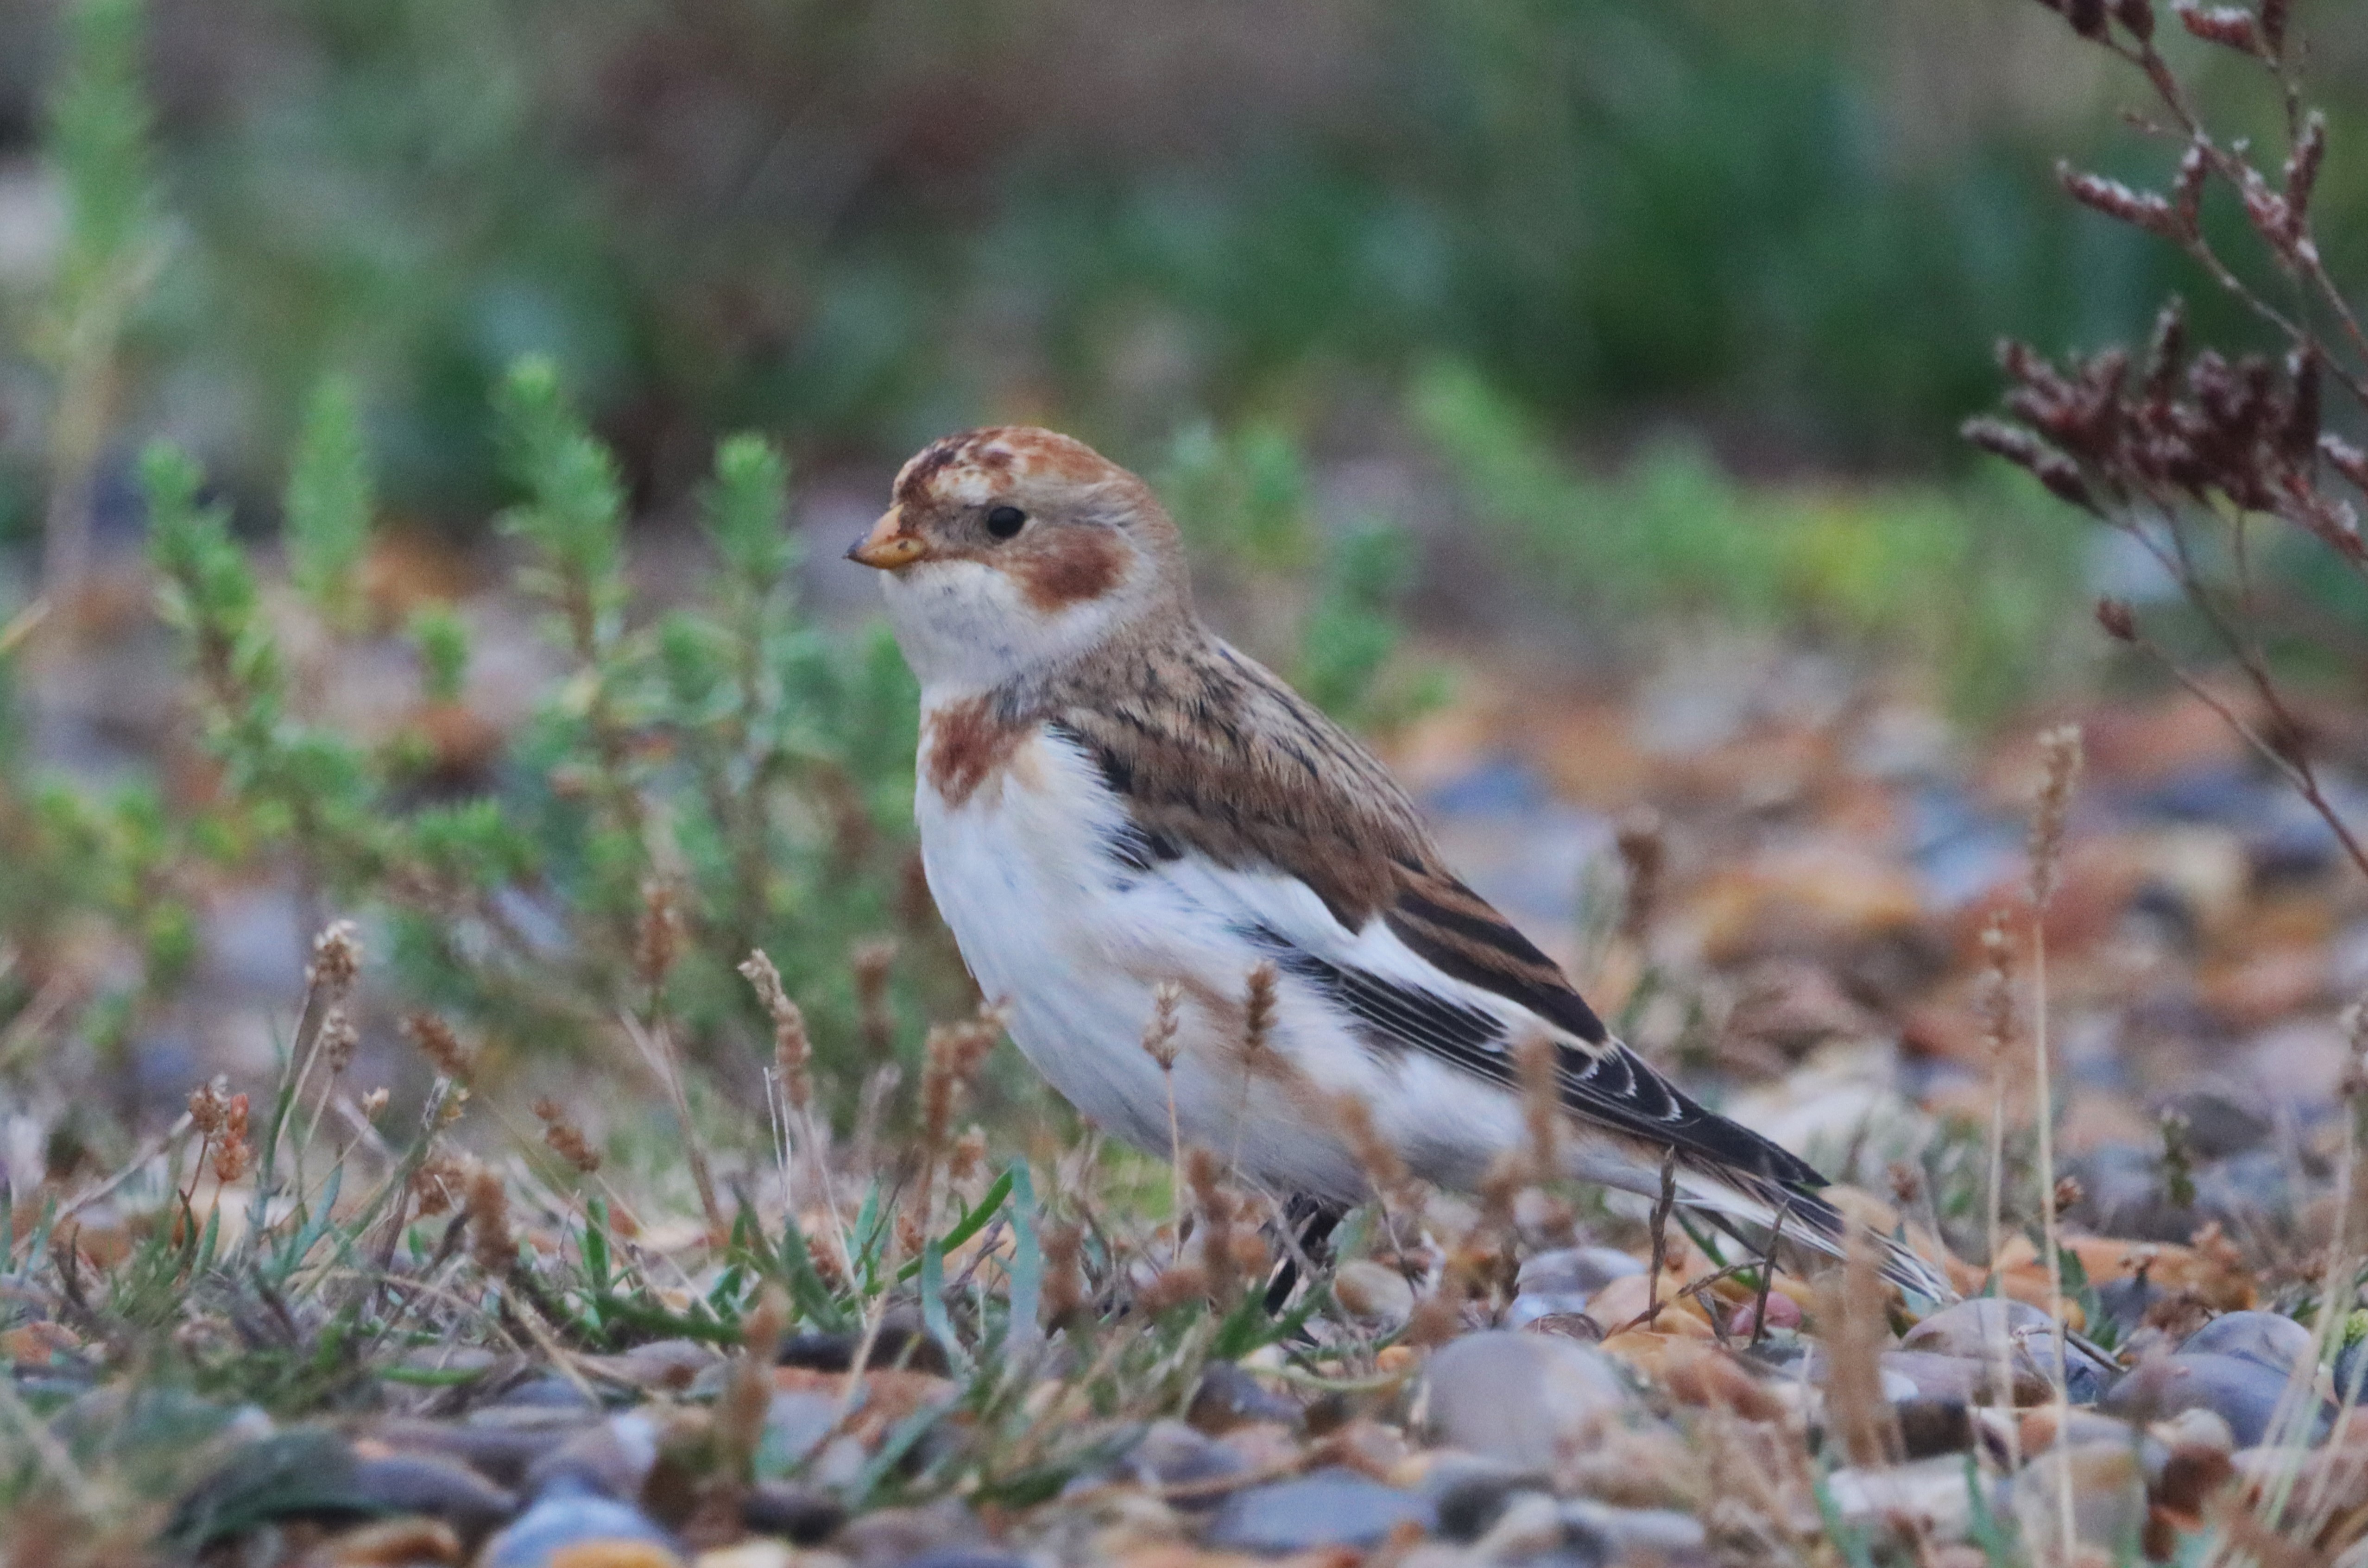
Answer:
(1120, 813)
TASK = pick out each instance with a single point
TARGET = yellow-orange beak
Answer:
(888, 546)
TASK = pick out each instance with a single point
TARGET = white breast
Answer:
(1072, 942)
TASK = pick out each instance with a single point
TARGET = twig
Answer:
(1661, 1208)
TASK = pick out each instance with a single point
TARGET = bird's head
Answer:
(1010, 550)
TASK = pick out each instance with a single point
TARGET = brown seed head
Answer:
(337, 958)
(1167, 1017)
(2060, 757)
(1258, 1006)
(339, 1040)
(792, 1048)
(208, 1105)
(567, 1139)
(440, 1183)
(2224, 25)
(1064, 1273)
(1643, 853)
(1995, 1001)
(233, 1153)
(969, 1156)
(657, 939)
(436, 1042)
(490, 1241)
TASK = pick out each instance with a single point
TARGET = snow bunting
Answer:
(1115, 808)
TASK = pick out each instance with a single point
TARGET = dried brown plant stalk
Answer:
(567, 1139)
(951, 1063)
(2197, 454)
(2060, 760)
(801, 1125)
(1161, 1044)
(1849, 1309)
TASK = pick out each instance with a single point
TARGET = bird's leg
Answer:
(1767, 1276)
(1661, 1210)
(1307, 1226)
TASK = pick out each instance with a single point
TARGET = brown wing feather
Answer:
(1214, 755)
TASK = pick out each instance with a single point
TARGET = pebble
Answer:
(1971, 1329)
(1228, 1397)
(1935, 1425)
(612, 1459)
(423, 1484)
(1782, 1313)
(901, 1342)
(1964, 1378)
(1374, 1292)
(2245, 1393)
(796, 1422)
(396, 1543)
(584, 1529)
(1327, 1508)
(1625, 1533)
(1625, 1302)
(1575, 1271)
(901, 1535)
(1520, 1398)
(1470, 1493)
(801, 1515)
(1931, 1495)
(1533, 1306)
(1171, 1453)
(547, 1392)
(2270, 1338)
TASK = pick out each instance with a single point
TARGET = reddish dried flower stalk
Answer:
(436, 1042)
(490, 1241)
(567, 1139)
(792, 1048)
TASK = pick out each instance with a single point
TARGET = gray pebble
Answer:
(2243, 1393)
(1520, 1398)
(802, 1515)
(1228, 1397)
(1531, 1305)
(1625, 1532)
(1330, 1507)
(570, 1517)
(2275, 1341)
(1575, 1271)
(1173, 1454)
(423, 1484)
(1471, 1493)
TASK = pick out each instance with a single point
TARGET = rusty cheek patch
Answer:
(1071, 567)
(968, 744)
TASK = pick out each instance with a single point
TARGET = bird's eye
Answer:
(1004, 521)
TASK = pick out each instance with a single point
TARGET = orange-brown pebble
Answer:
(1624, 1302)
(613, 1554)
(1398, 1360)
(1706, 1375)
(396, 1543)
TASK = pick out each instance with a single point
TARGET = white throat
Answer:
(965, 627)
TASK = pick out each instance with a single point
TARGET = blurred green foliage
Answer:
(726, 763)
(1982, 584)
(1323, 604)
(1801, 224)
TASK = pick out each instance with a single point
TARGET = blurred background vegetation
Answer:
(1790, 230)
